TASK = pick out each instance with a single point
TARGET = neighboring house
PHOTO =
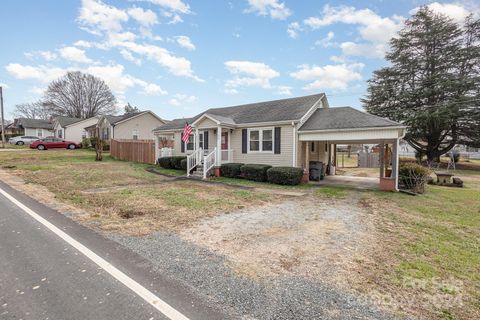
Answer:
(132, 126)
(72, 129)
(33, 127)
(287, 132)
(10, 129)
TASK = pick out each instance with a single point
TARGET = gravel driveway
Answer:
(286, 261)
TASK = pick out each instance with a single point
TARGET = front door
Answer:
(224, 146)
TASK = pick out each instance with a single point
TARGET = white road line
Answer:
(141, 291)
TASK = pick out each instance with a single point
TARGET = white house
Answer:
(72, 129)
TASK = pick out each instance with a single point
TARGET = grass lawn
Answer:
(429, 249)
(122, 196)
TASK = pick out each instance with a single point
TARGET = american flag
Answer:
(187, 130)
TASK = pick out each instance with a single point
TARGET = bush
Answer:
(165, 162)
(285, 175)
(176, 162)
(183, 164)
(231, 170)
(255, 172)
(413, 177)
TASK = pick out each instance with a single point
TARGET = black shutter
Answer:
(183, 146)
(205, 140)
(244, 141)
(277, 140)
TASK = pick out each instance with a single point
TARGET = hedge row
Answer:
(177, 162)
(263, 173)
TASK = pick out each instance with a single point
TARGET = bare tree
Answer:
(79, 95)
(33, 110)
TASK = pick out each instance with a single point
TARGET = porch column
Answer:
(334, 155)
(382, 160)
(197, 140)
(395, 162)
(219, 146)
(230, 151)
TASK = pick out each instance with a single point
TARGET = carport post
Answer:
(395, 162)
(382, 159)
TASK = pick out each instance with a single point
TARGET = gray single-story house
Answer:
(287, 132)
(34, 127)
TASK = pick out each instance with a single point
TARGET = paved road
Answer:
(44, 277)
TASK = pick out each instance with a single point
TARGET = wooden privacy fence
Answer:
(133, 150)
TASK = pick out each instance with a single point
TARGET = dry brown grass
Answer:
(121, 196)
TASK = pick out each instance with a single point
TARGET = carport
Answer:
(326, 128)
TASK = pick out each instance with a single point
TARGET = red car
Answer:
(50, 143)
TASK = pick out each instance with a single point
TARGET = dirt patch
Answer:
(316, 238)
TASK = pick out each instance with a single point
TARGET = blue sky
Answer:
(179, 57)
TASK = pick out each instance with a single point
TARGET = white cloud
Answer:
(4, 85)
(172, 5)
(127, 55)
(83, 44)
(284, 90)
(74, 54)
(114, 76)
(327, 41)
(97, 17)
(185, 42)
(273, 8)
(375, 30)
(456, 11)
(294, 29)
(153, 89)
(182, 99)
(250, 74)
(335, 77)
(146, 18)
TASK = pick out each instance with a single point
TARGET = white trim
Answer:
(128, 282)
(205, 116)
(310, 111)
(75, 123)
(260, 141)
(351, 129)
(294, 162)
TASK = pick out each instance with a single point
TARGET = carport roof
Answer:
(344, 118)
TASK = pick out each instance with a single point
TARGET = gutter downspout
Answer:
(294, 145)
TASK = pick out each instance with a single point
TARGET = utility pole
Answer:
(3, 118)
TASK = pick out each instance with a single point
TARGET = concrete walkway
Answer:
(364, 183)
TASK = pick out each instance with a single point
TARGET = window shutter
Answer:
(244, 141)
(182, 143)
(205, 140)
(277, 140)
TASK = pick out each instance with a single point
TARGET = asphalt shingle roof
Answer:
(344, 118)
(269, 111)
(34, 123)
(65, 121)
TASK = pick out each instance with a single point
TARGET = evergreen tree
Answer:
(432, 84)
(131, 109)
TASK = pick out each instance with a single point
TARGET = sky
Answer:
(180, 57)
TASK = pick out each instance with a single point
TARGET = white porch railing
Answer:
(209, 162)
(166, 152)
(194, 159)
(227, 155)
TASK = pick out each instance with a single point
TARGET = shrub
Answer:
(255, 172)
(285, 175)
(413, 176)
(165, 162)
(183, 164)
(176, 162)
(231, 170)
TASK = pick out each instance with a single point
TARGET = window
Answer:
(135, 134)
(191, 144)
(260, 140)
(84, 134)
(200, 137)
(60, 133)
(40, 133)
(105, 134)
